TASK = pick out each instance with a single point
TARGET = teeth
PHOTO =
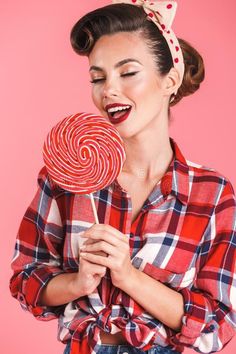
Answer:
(116, 109)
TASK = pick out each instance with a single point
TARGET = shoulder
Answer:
(208, 180)
(47, 184)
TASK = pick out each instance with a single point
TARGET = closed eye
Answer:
(94, 81)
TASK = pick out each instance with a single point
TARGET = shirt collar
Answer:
(176, 179)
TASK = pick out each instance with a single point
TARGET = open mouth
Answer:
(119, 116)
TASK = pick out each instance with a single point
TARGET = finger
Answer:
(103, 235)
(103, 246)
(103, 229)
(88, 241)
(100, 273)
(108, 228)
(100, 260)
(90, 268)
(101, 253)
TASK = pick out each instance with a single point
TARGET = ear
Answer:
(171, 82)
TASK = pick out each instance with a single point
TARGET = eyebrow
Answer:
(117, 65)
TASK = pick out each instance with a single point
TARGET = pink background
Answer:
(44, 81)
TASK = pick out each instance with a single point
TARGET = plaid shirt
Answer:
(184, 236)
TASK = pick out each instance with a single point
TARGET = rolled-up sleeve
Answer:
(38, 251)
(209, 321)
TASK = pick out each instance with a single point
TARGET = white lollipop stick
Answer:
(94, 208)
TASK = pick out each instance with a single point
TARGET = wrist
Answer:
(74, 287)
(128, 283)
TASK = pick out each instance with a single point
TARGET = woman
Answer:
(156, 275)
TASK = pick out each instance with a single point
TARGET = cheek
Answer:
(95, 97)
(150, 94)
(97, 101)
(142, 88)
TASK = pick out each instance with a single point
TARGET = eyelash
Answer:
(94, 81)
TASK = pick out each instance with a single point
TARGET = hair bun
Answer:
(194, 73)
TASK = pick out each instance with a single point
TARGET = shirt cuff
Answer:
(196, 319)
(32, 290)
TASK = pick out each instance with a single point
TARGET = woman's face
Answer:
(135, 83)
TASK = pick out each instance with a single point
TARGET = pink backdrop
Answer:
(44, 81)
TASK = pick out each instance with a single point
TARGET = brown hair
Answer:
(124, 17)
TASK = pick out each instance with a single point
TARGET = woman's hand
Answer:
(89, 275)
(115, 244)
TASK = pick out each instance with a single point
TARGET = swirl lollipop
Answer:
(84, 153)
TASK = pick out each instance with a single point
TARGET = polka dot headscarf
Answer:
(162, 13)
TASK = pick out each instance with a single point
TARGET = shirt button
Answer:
(166, 185)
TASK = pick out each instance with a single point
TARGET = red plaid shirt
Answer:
(184, 236)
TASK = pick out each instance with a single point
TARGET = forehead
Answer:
(118, 46)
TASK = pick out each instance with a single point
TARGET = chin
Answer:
(125, 133)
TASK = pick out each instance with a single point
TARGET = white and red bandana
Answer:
(162, 13)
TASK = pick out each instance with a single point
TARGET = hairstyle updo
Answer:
(124, 17)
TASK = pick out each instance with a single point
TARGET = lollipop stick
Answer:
(94, 209)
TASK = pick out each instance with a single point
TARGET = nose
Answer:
(110, 88)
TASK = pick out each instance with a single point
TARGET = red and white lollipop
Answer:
(84, 153)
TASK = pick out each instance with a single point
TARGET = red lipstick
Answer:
(121, 115)
(120, 119)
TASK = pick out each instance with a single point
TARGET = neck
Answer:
(148, 158)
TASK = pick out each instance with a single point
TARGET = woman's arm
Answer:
(160, 301)
(39, 281)
(38, 251)
(65, 288)
(60, 290)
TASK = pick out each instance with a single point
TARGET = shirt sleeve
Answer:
(209, 322)
(38, 251)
